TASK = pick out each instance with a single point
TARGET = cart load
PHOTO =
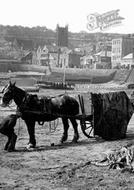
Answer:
(112, 113)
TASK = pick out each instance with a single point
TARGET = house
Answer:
(74, 60)
(63, 57)
(53, 57)
(69, 58)
(57, 57)
(46, 55)
(43, 56)
(29, 57)
(127, 61)
(120, 48)
(103, 60)
(23, 44)
(87, 61)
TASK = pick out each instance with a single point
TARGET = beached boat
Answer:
(55, 85)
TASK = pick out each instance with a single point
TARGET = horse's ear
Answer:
(12, 84)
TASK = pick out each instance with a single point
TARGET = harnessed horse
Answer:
(33, 109)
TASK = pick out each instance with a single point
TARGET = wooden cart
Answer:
(86, 117)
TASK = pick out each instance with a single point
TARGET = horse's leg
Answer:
(75, 126)
(31, 131)
(12, 142)
(65, 132)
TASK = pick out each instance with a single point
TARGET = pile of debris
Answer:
(119, 159)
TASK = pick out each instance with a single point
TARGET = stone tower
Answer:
(62, 36)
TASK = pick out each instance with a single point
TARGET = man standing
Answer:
(7, 128)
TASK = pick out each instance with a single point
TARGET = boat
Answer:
(55, 85)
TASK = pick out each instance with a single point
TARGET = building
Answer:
(103, 59)
(47, 55)
(127, 62)
(74, 60)
(30, 58)
(120, 48)
(42, 56)
(69, 58)
(58, 57)
(87, 61)
(23, 44)
(62, 36)
(27, 58)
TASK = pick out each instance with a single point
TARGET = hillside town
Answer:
(77, 51)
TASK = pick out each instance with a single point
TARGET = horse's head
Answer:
(8, 94)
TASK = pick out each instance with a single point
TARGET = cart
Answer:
(86, 117)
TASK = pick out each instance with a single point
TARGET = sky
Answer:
(73, 13)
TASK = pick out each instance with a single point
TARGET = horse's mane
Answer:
(21, 90)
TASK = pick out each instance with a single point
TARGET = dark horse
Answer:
(32, 109)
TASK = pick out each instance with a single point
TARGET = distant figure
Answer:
(7, 128)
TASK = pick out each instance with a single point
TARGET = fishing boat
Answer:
(55, 85)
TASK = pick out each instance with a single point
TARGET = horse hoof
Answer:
(30, 146)
(61, 142)
(75, 140)
(10, 150)
(52, 144)
(63, 139)
(6, 148)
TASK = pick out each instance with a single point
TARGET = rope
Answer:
(51, 125)
(55, 124)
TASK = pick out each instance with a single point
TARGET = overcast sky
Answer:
(74, 13)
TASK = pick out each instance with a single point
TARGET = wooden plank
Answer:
(85, 103)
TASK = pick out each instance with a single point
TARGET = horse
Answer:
(34, 109)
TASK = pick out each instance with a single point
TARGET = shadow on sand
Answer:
(53, 146)
(90, 142)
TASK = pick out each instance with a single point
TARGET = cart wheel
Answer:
(87, 128)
